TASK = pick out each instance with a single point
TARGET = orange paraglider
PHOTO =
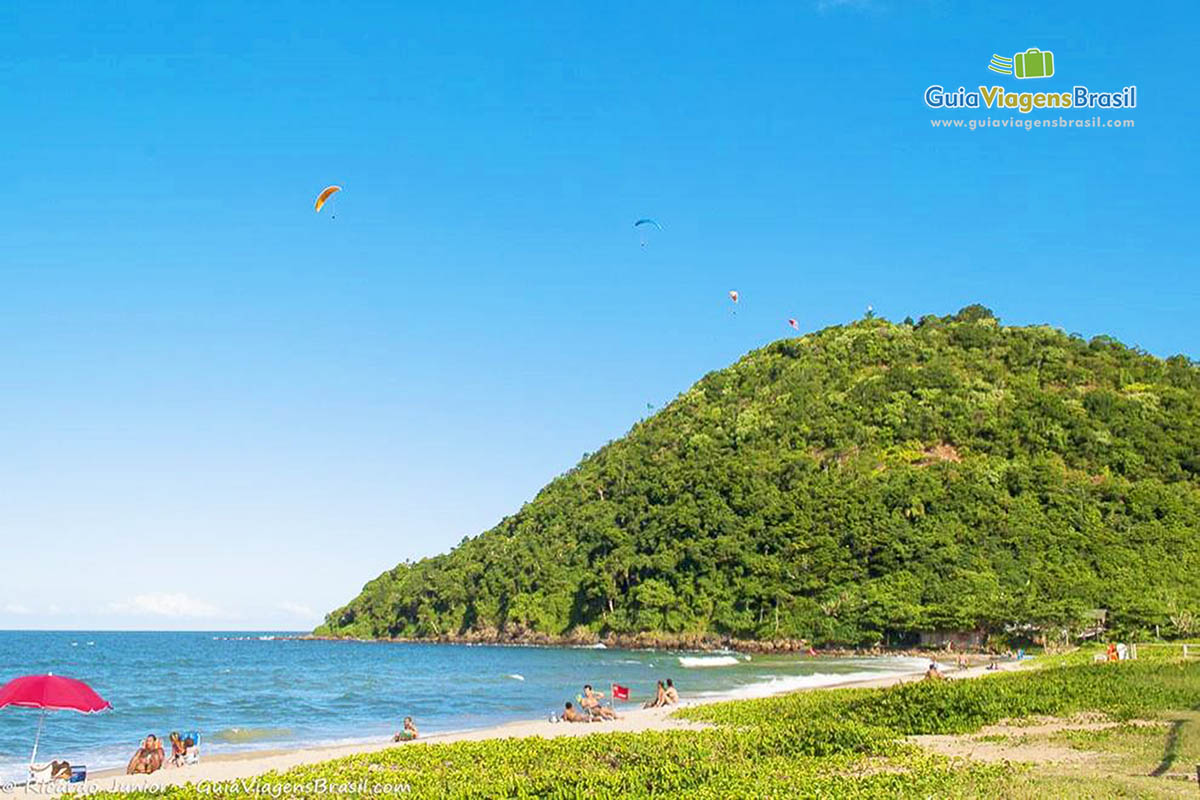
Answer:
(733, 295)
(326, 193)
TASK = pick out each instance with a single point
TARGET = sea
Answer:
(267, 690)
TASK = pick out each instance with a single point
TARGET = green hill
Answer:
(862, 483)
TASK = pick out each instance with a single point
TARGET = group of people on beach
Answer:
(588, 707)
(591, 707)
(150, 756)
(663, 696)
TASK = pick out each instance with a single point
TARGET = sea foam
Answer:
(691, 662)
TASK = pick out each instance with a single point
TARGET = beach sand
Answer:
(234, 767)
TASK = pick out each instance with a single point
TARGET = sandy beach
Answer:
(233, 767)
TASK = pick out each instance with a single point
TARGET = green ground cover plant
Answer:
(841, 743)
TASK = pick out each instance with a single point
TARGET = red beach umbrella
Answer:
(50, 693)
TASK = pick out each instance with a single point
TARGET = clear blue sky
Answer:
(219, 409)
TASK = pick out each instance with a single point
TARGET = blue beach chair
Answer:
(193, 752)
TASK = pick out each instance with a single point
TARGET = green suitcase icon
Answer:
(1033, 63)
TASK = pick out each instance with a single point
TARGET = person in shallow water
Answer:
(148, 758)
(571, 714)
(660, 698)
(671, 694)
(409, 733)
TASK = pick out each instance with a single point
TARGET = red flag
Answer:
(620, 692)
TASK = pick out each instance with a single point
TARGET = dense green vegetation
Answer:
(853, 486)
(841, 743)
(1123, 691)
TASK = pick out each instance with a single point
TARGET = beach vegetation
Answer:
(845, 743)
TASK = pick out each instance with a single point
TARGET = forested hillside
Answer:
(866, 481)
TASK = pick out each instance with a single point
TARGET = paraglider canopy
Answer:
(733, 295)
(325, 194)
(793, 324)
(645, 224)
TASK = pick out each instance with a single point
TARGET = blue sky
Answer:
(221, 410)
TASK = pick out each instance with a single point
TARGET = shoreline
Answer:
(700, 642)
(248, 765)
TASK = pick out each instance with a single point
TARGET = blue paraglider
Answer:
(644, 225)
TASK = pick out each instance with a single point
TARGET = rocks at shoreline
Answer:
(638, 641)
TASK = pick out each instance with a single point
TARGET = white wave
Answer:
(690, 662)
(596, 646)
(778, 684)
(516, 677)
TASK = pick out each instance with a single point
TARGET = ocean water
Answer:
(264, 690)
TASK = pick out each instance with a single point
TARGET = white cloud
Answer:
(165, 604)
(297, 610)
(16, 608)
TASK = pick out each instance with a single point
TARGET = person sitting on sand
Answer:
(660, 698)
(178, 749)
(672, 694)
(408, 734)
(571, 714)
(591, 703)
(60, 771)
(148, 758)
(933, 673)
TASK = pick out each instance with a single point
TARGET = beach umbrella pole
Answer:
(37, 738)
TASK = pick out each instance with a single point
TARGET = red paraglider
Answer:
(793, 324)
